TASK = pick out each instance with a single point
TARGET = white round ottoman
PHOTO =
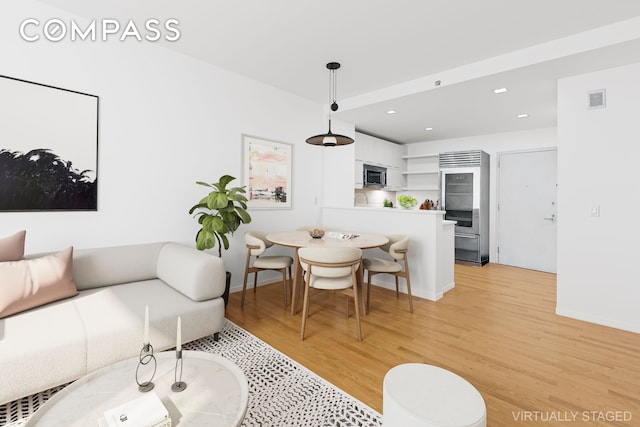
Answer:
(419, 395)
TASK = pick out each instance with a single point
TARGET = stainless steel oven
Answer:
(374, 176)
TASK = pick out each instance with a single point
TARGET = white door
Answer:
(527, 209)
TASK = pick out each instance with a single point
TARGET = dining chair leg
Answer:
(297, 275)
(255, 281)
(360, 281)
(406, 274)
(290, 285)
(356, 302)
(305, 308)
(409, 294)
(368, 299)
(244, 283)
(397, 289)
(284, 286)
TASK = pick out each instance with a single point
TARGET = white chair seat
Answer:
(330, 283)
(381, 265)
(273, 262)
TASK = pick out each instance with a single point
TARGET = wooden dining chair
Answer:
(330, 269)
(257, 244)
(398, 248)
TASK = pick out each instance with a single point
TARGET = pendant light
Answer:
(330, 139)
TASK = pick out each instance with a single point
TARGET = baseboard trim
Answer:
(431, 296)
(238, 286)
(598, 320)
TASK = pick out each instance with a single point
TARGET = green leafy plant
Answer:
(407, 201)
(219, 213)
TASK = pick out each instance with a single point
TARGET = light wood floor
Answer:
(497, 328)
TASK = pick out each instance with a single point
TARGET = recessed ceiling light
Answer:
(391, 112)
(428, 129)
(501, 90)
(522, 116)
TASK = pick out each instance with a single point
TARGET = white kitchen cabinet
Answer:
(395, 180)
(376, 151)
(395, 156)
(360, 148)
(358, 177)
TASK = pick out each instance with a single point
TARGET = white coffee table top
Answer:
(217, 392)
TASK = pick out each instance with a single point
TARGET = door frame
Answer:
(498, 187)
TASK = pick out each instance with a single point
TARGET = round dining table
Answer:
(331, 239)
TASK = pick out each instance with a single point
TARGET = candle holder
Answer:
(178, 385)
(146, 357)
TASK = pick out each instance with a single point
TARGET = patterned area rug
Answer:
(281, 392)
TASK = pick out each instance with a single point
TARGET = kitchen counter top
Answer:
(396, 209)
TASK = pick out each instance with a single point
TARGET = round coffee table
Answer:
(217, 392)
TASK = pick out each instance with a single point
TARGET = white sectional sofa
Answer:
(64, 340)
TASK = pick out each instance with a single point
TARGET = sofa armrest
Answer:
(198, 275)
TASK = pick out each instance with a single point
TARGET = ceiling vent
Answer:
(596, 99)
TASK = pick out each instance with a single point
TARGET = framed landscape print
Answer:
(48, 148)
(267, 173)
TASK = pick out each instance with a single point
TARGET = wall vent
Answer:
(596, 99)
(460, 159)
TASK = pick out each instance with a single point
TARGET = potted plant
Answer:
(220, 213)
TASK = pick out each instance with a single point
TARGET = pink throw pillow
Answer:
(12, 247)
(33, 282)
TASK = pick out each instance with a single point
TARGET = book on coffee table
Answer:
(145, 411)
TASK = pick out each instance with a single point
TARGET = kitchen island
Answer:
(431, 248)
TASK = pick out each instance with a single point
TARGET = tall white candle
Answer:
(146, 325)
(179, 338)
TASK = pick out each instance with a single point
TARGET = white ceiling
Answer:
(392, 52)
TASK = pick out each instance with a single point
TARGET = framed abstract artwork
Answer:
(267, 172)
(48, 148)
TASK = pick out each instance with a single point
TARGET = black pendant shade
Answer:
(331, 139)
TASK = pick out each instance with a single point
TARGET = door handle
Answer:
(553, 218)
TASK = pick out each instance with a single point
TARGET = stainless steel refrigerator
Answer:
(465, 198)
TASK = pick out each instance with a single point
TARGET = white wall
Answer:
(338, 168)
(491, 144)
(166, 121)
(598, 154)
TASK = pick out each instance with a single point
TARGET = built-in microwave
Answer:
(374, 176)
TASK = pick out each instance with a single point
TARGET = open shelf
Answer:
(419, 156)
(423, 172)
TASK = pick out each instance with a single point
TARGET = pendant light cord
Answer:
(334, 83)
(330, 139)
